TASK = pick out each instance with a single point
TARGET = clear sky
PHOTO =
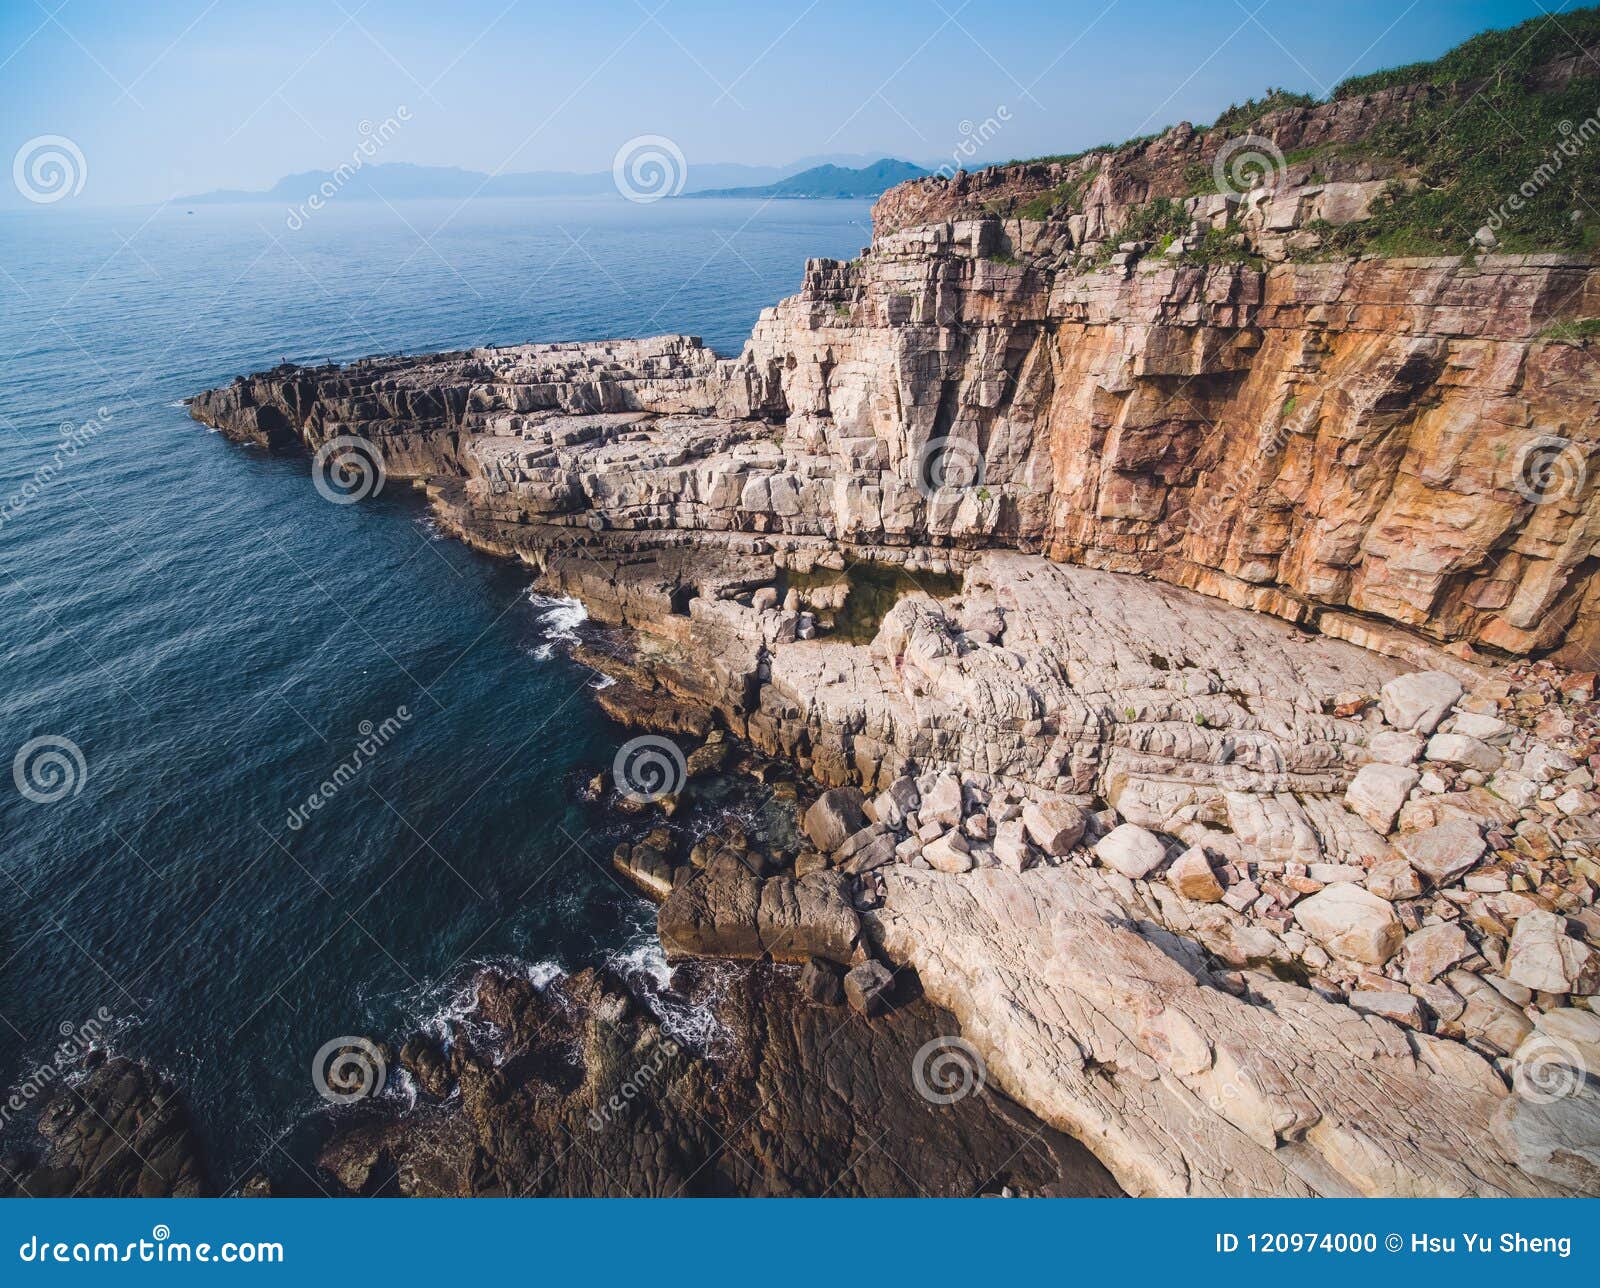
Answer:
(164, 97)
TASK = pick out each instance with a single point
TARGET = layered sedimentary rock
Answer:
(1350, 444)
(1122, 1033)
(1105, 805)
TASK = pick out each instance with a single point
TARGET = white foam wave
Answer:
(602, 682)
(559, 616)
(691, 1022)
(459, 1006)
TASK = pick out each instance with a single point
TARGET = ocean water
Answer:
(194, 641)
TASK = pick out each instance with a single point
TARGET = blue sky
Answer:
(181, 96)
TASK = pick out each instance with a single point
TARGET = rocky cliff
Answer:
(1355, 446)
(1062, 425)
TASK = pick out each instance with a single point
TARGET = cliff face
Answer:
(1347, 443)
(1396, 452)
(1354, 445)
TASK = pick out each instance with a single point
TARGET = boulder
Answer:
(809, 916)
(1378, 791)
(835, 816)
(941, 803)
(1391, 747)
(1433, 950)
(1419, 701)
(728, 911)
(1351, 922)
(899, 799)
(820, 982)
(1394, 879)
(1130, 850)
(647, 867)
(949, 853)
(868, 987)
(1488, 1018)
(1463, 752)
(1443, 852)
(1545, 958)
(1402, 1008)
(714, 913)
(1191, 876)
(1055, 826)
(1011, 845)
(871, 847)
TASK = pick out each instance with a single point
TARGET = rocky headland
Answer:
(1180, 609)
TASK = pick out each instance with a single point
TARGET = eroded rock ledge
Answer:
(1117, 826)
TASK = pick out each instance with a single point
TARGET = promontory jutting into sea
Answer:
(1096, 695)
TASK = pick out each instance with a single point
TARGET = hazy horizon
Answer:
(501, 87)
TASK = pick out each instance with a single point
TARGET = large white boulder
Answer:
(1351, 922)
(1464, 752)
(1445, 851)
(1378, 791)
(1545, 958)
(1130, 850)
(1419, 701)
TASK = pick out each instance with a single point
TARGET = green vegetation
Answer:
(1241, 116)
(1506, 56)
(874, 588)
(999, 257)
(1161, 221)
(1063, 197)
(1574, 332)
(1495, 147)
(1220, 246)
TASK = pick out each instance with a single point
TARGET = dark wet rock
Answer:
(423, 1058)
(820, 982)
(728, 910)
(710, 757)
(869, 988)
(122, 1131)
(592, 1098)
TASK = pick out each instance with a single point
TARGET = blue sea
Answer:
(195, 640)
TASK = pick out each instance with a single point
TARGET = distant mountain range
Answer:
(401, 181)
(828, 181)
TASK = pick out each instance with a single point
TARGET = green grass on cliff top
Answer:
(1492, 148)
